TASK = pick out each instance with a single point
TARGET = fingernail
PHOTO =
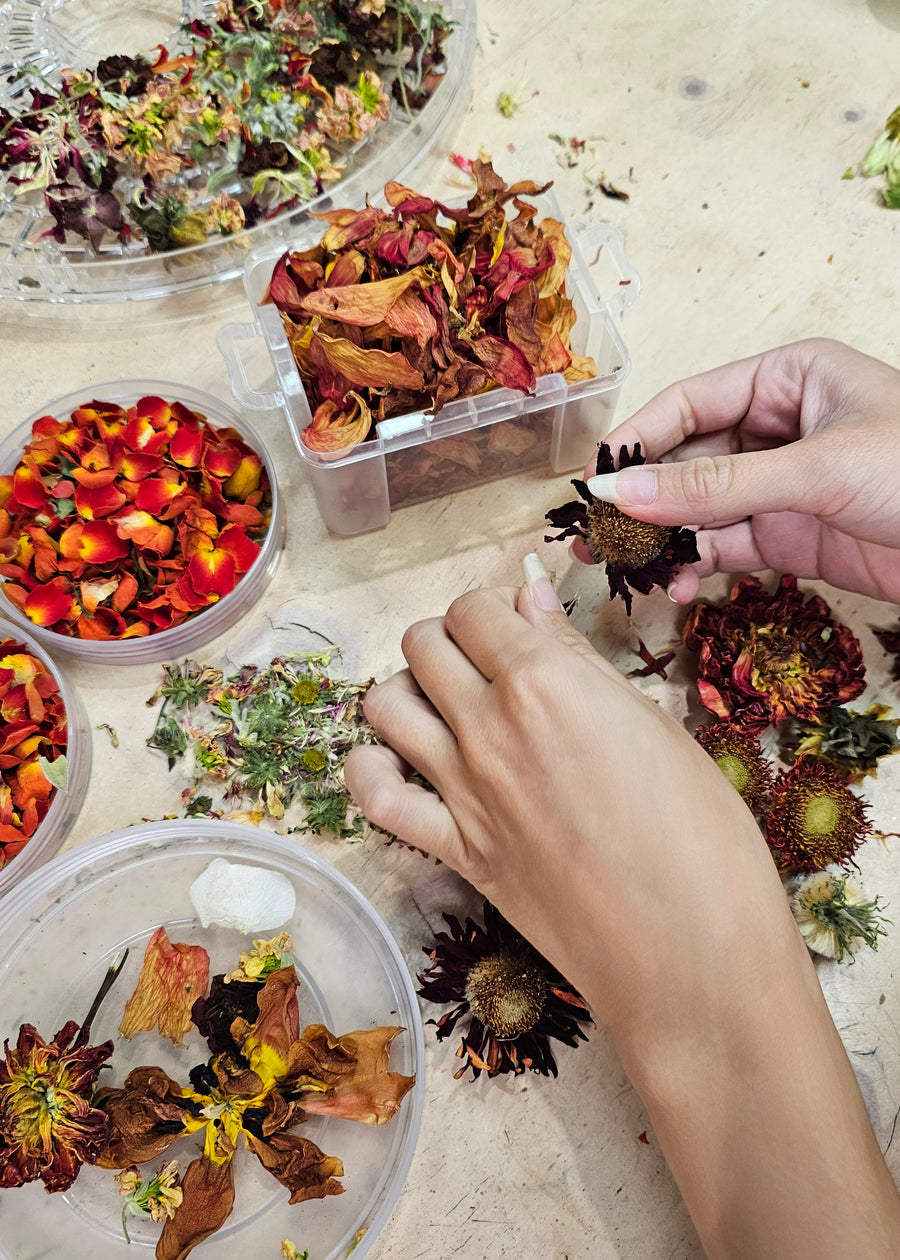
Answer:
(669, 590)
(632, 486)
(542, 592)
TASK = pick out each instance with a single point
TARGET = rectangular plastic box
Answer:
(471, 440)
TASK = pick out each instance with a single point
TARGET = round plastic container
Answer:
(66, 801)
(63, 926)
(208, 622)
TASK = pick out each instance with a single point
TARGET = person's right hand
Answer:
(789, 460)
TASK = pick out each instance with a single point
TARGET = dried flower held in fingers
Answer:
(815, 820)
(765, 658)
(516, 1001)
(637, 554)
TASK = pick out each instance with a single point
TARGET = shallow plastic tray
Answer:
(37, 269)
(357, 492)
(61, 928)
(68, 800)
(210, 621)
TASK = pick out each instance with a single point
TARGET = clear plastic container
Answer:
(557, 427)
(34, 268)
(60, 930)
(208, 622)
(66, 801)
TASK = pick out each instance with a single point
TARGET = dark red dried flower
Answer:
(890, 641)
(765, 658)
(516, 1001)
(740, 758)
(815, 820)
(636, 554)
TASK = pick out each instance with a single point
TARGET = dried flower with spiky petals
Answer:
(740, 758)
(515, 999)
(48, 1127)
(851, 742)
(636, 554)
(765, 658)
(834, 915)
(815, 820)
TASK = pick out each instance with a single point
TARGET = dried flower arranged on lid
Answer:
(636, 554)
(814, 820)
(740, 758)
(834, 915)
(33, 741)
(264, 1079)
(267, 737)
(119, 522)
(173, 977)
(765, 658)
(395, 310)
(258, 99)
(853, 743)
(514, 1002)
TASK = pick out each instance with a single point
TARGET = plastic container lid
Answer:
(66, 801)
(208, 622)
(35, 268)
(63, 926)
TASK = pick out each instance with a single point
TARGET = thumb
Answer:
(539, 605)
(717, 488)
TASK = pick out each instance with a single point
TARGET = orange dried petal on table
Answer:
(173, 977)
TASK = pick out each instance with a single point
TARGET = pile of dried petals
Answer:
(33, 741)
(263, 1079)
(265, 737)
(418, 305)
(120, 522)
(146, 146)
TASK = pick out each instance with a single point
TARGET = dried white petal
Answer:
(246, 898)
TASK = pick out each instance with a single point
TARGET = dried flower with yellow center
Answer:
(740, 759)
(834, 915)
(314, 760)
(305, 691)
(815, 820)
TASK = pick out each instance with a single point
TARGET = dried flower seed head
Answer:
(834, 915)
(815, 820)
(740, 759)
(515, 1000)
(637, 555)
(507, 992)
(765, 658)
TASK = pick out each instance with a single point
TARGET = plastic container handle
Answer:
(228, 339)
(605, 236)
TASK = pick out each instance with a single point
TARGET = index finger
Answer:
(715, 400)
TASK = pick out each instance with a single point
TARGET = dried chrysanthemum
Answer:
(834, 915)
(48, 1127)
(851, 742)
(765, 658)
(156, 1197)
(740, 758)
(814, 820)
(515, 1000)
(637, 554)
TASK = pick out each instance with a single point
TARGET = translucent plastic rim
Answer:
(209, 622)
(67, 801)
(92, 855)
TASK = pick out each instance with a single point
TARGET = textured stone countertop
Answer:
(729, 125)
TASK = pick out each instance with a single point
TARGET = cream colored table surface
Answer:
(730, 126)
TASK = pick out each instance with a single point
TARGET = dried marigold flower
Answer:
(765, 658)
(740, 758)
(814, 820)
(637, 554)
(515, 1000)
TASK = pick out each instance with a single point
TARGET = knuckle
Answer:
(708, 477)
(414, 637)
(466, 610)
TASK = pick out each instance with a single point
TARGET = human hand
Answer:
(789, 460)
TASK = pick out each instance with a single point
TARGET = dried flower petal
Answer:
(173, 977)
